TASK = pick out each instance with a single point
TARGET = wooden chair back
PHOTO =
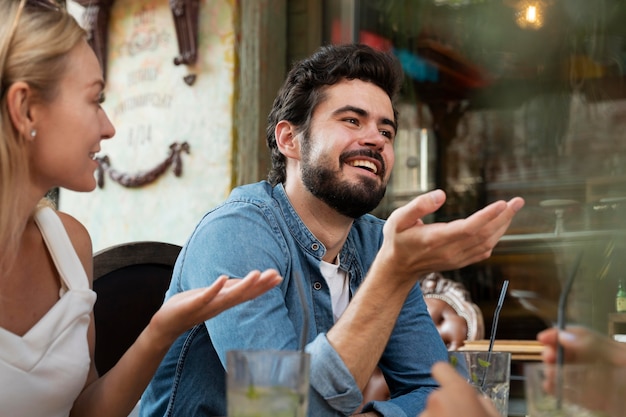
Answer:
(130, 280)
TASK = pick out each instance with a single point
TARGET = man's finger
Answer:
(446, 375)
(421, 206)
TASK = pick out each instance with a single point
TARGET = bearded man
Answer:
(330, 133)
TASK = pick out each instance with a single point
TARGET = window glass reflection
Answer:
(505, 98)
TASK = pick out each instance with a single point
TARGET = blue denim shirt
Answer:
(257, 228)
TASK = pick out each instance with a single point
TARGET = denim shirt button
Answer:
(315, 246)
(317, 285)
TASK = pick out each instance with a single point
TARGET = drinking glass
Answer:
(489, 373)
(575, 390)
(267, 383)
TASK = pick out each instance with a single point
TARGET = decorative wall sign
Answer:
(150, 107)
(143, 178)
(185, 14)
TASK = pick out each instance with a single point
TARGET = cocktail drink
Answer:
(265, 402)
(490, 374)
(267, 383)
(499, 395)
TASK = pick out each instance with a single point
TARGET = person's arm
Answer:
(582, 345)
(414, 346)
(117, 392)
(456, 397)
(411, 249)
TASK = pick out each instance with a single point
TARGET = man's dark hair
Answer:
(304, 87)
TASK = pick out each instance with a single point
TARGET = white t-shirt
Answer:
(337, 281)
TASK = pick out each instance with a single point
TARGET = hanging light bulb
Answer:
(529, 14)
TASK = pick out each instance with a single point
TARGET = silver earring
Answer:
(33, 133)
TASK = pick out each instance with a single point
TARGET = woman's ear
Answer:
(287, 139)
(18, 104)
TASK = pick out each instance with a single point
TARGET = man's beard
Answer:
(351, 200)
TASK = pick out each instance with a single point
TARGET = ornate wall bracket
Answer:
(141, 179)
(96, 18)
(184, 12)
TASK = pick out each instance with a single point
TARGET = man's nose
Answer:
(372, 137)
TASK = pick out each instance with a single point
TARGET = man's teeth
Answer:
(370, 166)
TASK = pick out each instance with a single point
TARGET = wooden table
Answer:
(521, 350)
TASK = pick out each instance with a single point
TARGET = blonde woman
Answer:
(51, 127)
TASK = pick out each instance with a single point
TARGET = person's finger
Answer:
(207, 294)
(267, 280)
(547, 336)
(516, 203)
(246, 281)
(411, 213)
(483, 230)
(220, 282)
(446, 375)
(496, 217)
(455, 345)
(251, 286)
(583, 345)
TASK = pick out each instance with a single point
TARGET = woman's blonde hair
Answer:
(35, 39)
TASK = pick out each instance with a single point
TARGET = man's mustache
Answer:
(366, 153)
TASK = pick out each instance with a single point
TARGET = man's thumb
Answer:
(421, 206)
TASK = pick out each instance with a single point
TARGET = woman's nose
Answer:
(108, 130)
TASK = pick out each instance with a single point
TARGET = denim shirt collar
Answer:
(297, 228)
(307, 239)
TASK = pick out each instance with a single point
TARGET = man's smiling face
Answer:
(348, 154)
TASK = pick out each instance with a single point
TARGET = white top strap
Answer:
(61, 249)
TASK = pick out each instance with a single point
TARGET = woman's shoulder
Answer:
(80, 238)
(75, 229)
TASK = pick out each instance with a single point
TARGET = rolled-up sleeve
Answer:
(335, 389)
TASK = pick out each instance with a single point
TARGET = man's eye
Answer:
(387, 134)
(352, 120)
(101, 97)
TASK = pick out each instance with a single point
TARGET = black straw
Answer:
(560, 357)
(494, 326)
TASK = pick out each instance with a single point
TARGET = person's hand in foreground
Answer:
(186, 309)
(601, 386)
(582, 345)
(456, 397)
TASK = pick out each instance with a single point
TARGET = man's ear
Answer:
(287, 139)
(18, 103)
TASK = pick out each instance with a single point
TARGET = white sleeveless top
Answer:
(42, 372)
